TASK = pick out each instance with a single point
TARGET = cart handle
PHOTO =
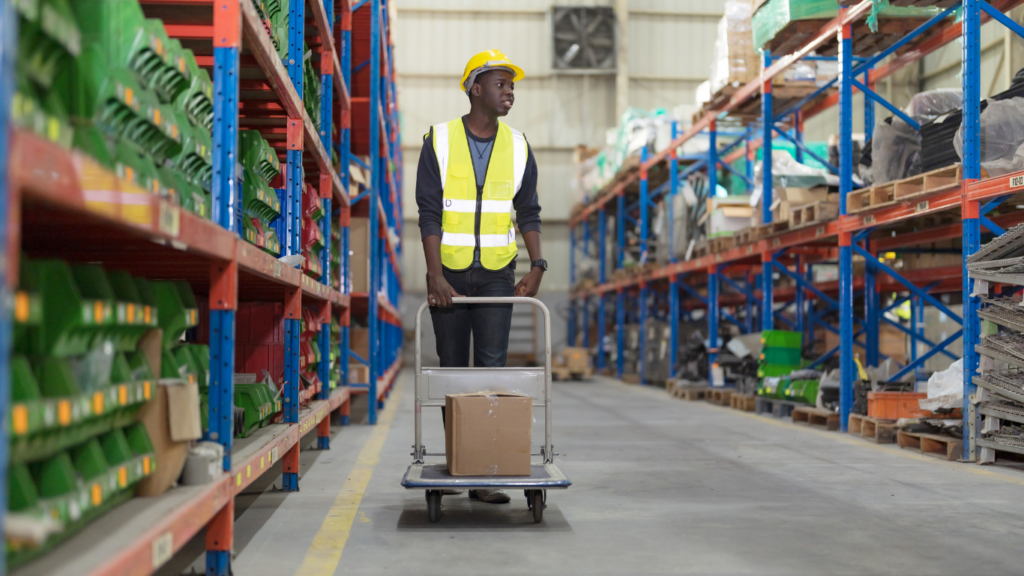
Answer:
(547, 449)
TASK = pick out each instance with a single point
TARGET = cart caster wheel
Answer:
(537, 505)
(434, 505)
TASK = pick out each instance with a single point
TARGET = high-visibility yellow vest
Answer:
(496, 236)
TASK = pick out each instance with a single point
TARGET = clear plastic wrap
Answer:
(1002, 137)
(734, 60)
(896, 145)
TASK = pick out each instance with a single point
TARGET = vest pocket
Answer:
(501, 190)
(458, 182)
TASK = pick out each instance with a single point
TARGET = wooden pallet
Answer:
(816, 417)
(563, 373)
(815, 213)
(690, 393)
(748, 235)
(878, 431)
(776, 408)
(744, 402)
(721, 244)
(943, 447)
(631, 378)
(719, 396)
(907, 189)
(701, 249)
(890, 30)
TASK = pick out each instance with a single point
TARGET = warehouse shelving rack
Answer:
(748, 269)
(101, 218)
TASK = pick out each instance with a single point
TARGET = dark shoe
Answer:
(451, 492)
(490, 496)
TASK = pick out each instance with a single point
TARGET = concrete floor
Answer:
(660, 486)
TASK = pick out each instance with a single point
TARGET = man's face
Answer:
(494, 91)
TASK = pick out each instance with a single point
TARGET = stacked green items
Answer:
(335, 371)
(141, 105)
(260, 204)
(774, 15)
(336, 257)
(803, 389)
(60, 494)
(77, 380)
(780, 355)
(270, 14)
(182, 362)
(48, 41)
(311, 90)
(259, 399)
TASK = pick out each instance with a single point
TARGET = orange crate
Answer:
(896, 405)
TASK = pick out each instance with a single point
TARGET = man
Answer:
(472, 172)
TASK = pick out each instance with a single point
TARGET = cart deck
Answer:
(436, 477)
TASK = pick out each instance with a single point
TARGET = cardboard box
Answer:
(577, 359)
(359, 341)
(359, 260)
(170, 454)
(488, 434)
(358, 374)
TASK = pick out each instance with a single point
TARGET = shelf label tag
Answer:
(1016, 181)
(776, 242)
(820, 231)
(169, 221)
(869, 219)
(922, 206)
(163, 549)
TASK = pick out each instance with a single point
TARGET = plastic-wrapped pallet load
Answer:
(896, 145)
(734, 60)
(1002, 137)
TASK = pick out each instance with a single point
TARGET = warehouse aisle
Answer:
(661, 486)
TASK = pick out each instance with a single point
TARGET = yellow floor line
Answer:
(324, 553)
(887, 448)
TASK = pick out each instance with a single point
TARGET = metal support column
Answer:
(673, 189)
(642, 309)
(767, 116)
(800, 302)
(378, 180)
(673, 320)
(872, 318)
(847, 368)
(712, 159)
(620, 335)
(712, 322)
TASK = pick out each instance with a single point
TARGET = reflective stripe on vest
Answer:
(505, 169)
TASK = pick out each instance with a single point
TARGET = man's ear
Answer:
(475, 89)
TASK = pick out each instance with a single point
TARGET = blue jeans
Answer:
(489, 324)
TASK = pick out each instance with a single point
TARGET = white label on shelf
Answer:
(820, 231)
(163, 549)
(869, 219)
(921, 206)
(277, 269)
(776, 242)
(1016, 181)
(170, 219)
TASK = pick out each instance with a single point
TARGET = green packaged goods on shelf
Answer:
(63, 493)
(177, 309)
(120, 33)
(196, 101)
(45, 116)
(72, 318)
(786, 356)
(48, 38)
(774, 15)
(781, 339)
(258, 400)
(257, 155)
(766, 370)
(803, 391)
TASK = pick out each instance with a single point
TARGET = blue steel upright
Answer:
(712, 323)
(602, 268)
(8, 53)
(971, 130)
(767, 123)
(645, 253)
(344, 136)
(847, 369)
(377, 181)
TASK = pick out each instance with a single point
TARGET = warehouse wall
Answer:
(555, 111)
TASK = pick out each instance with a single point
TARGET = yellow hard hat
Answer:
(486, 61)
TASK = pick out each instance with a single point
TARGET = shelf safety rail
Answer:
(748, 270)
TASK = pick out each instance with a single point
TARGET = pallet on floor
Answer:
(816, 417)
(719, 396)
(631, 378)
(744, 402)
(776, 408)
(689, 392)
(873, 429)
(563, 373)
(944, 447)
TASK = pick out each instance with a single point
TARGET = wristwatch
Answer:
(542, 264)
